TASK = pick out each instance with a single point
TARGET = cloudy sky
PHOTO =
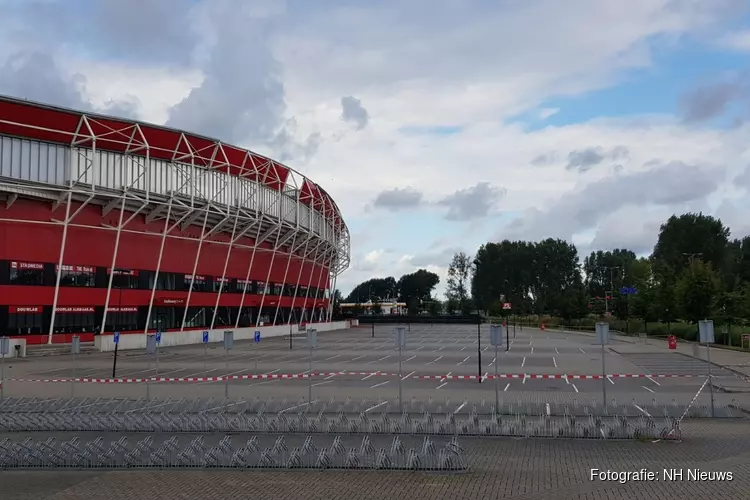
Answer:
(436, 125)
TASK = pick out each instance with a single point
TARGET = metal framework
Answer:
(78, 159)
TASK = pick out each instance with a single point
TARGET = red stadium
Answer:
(114, 225)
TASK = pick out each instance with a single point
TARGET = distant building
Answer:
(387, 307)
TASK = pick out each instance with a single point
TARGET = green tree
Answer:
(373, 290)
(686, 236)
(457, 286)
(435, 307)
(697, 291)
(337, 300)
(416, 288)
(606, 271)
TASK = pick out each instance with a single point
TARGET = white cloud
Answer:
(545, 113)
(739, 41)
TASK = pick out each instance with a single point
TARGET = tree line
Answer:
(695, 271)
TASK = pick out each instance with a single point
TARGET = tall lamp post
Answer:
(119, 311)
(479, 333)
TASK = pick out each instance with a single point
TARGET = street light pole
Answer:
(479, 349)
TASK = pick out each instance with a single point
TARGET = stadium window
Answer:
(77, 275)
(276, 288)
(25, 320)
(289, 290)
(327, 294)
(165, 318)
(261, 288)
(242, 284)
(122, 319)
(313, 292)
(199, 283)
(74, 320)
(166, 281)
(196, 317)
(124, 278)
(223, 284)
(26, 273)
(302, 291)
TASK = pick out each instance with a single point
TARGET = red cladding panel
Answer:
(44, 123)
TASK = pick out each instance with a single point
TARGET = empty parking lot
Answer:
(450, 362)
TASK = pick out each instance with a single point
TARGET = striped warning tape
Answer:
(291, 376)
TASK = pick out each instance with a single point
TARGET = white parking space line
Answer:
(446, 376)
(265, 382)
(420, 348)
(554, 361)
(484, 377)
(370, 375)
(436, 350)
(406, 376)
(532, 350)
(376, 406)
(378, 385)
(567, 380)
(654, 381)
(610, 380)
(272, 371)
(202, 373)
(358, 357)
(485, 348)
(506, 387)
(524, 379)
(574, 387)
(649, 390)
(410, 358)
(333, 375)
(442, 385)
(643, 411)
(332, 357)
(556, 351)
(492, 362)
(523, 362)
(52, 370)
(384, 357)
(430, 362)
(580, 349)
(464, 361)
(323, 383)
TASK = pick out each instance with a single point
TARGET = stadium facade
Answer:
(110, 225)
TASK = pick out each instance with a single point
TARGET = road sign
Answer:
(628, 290)
(205, 337)
(602, 333)
(228, 339)
(257, 336)
(158, 337)
(312, 338)
(706, 331)
(496, 335)
(117, 337)
(399, 338)
(506, 306)
(4, 345)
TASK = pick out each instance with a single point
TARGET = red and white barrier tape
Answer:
(290, 376)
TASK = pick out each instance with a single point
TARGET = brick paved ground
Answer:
(519, 469)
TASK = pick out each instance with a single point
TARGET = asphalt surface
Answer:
(439, 362)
